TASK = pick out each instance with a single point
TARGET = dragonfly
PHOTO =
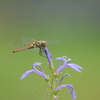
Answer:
(35, 44)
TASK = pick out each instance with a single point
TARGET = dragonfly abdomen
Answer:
(29, 47)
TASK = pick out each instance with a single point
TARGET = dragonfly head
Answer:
(43, 43)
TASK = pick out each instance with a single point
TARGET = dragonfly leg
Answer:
(41, 52)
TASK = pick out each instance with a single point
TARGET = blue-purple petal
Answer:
(72, 92)
(76, 66)
(69, 59)
(33, 71)
(37, 71)
(59, 58)
(41, 73)
(27, 73)
(73, 66)
(36, 63)
(39, 64)
(62, 58)
(61, 68)
(48, 55)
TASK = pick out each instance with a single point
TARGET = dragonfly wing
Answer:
(26, 40)
(18, 46)
(34, 49)
(51, 42)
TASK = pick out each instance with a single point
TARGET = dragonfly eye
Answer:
(43, 42)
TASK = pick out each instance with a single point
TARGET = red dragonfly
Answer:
(34, 44)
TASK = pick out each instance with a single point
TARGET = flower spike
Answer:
(52, 81)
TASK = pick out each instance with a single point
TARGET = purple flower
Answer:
(61, 67)
(63, 78)
(48, 55)
(71, 89)
(35, 71)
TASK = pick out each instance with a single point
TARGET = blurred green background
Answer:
(77, 26)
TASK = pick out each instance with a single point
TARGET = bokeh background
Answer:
(76, 23)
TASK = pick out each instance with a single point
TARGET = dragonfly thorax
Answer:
(40, 44)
